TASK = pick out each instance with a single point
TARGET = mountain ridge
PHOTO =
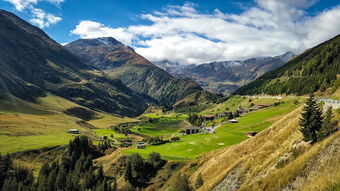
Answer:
(32, 64)
(226, 76)
(316, 69)
(136, 72)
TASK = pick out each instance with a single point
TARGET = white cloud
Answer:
(56, 1)
(90, 29)
(39, 17)
(43, 19)
(184, 35)
(22, 4)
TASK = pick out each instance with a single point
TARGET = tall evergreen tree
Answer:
(328, 125)
(311, 120)
(61, 179)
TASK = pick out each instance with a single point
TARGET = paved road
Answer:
(212, 129)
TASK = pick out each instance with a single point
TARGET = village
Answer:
(133, 135)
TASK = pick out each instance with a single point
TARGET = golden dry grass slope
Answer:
(275, 159)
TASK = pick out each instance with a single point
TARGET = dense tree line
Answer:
(314, 70)
(315, 126)
(138, 171)
(72, 171)
(14, 178)
(195, 120)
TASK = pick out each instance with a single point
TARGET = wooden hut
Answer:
(192, 130)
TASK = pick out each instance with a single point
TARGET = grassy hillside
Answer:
(314, 70)
(31, 64)
(25, 125)
(154, 82)
(192, 146)
(275, 159)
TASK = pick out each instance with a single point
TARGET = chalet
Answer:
(208, 117)
(74, 131)
(192, 130)
(141, 145)
(251, 134)
(233, 121)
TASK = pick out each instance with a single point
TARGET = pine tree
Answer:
(328, 126)
(43, 176)
(10, 184)
(311, 120)
(100, 173)
(61, 179)
(90, 180)
(51, 180)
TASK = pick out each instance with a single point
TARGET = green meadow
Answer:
(25, 125)
(191, 146)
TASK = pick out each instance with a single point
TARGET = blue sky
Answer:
(188, 31)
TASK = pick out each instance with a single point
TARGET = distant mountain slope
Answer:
(136, 72)
(226, 76)
(32, 63)
(314, 70)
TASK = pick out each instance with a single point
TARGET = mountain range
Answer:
(122, 62)
(316, 69)
(101, 74)
(226, 76)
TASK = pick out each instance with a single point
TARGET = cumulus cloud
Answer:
(43, 19)
(90, 29)
(22, 4)
(56, 1)
(39, 17)
(183, 34)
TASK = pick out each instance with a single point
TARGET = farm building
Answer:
(251, 134)
(74, 131)
(233, 121)
(141, 145)
(208, 117)
(192, 130)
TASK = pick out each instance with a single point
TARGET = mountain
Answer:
(226, 76)
(314, 70)
(32, 64)
(136, 72)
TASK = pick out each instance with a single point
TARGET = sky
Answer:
(188, 32)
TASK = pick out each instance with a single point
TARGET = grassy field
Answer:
(25, 125)
(165, 125)
(108, 133)
(192, 146)
(162, 128)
